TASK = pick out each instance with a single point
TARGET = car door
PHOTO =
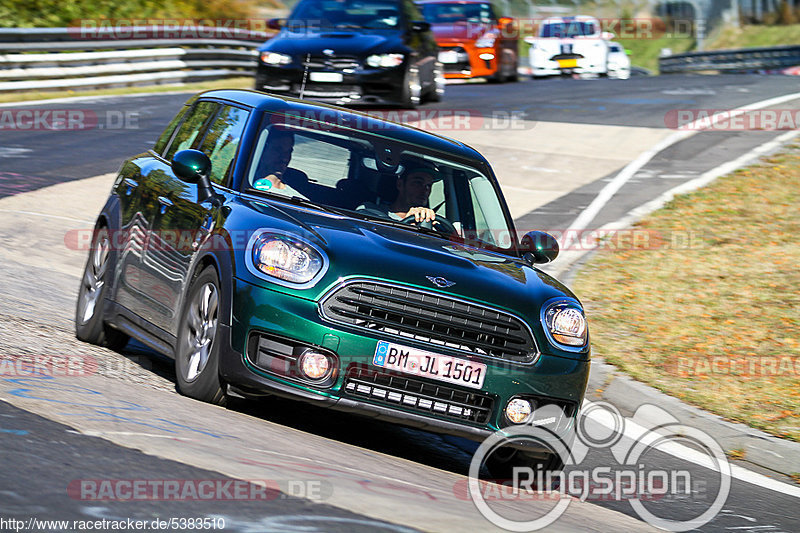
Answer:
(182, 223)
(157, 183)
(136, 210)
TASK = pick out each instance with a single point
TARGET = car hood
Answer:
(364, 249)
(343, 43)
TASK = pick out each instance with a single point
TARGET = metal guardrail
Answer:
(747, 59)
(64, 58)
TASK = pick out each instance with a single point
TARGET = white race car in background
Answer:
(575, 45)
(619, 64)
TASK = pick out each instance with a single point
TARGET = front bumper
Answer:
(365, 85)
(542, 65)
(463, 61)
(260, 312)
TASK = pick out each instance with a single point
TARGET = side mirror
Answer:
(275, 24)
(607, 35)
(539, 247)
(530, 39)
(420, 26)
(193, 166)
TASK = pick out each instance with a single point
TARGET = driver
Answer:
(413, 190)
(274, 166)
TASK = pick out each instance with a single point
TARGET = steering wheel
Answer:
(445, 226)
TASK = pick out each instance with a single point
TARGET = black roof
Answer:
(393, 130)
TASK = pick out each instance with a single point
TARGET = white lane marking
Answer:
(44, 215)
(682, 91)
(14, 152)
(635, 431)
(92, 99)
(701, 181)
(612, 187)
(427, 488)
(539, 169)
(93, 433)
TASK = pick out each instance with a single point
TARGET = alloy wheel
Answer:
(201, 329)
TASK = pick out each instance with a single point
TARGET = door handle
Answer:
(165, 203)
(130, 184)
(203, 232)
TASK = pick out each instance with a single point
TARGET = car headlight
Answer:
(385, 60)
(486, 40)
(284, 257)
(274, 58)
(565, 324)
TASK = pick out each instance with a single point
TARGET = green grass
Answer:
(57, 13)
(753, 36)
(230, 83)
(713, 322)
(645, 52)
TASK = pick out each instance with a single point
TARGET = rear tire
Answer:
(90, 324)
(197, 350)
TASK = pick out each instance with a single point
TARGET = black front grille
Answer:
(431, 318)
(335, 63)
(326, 90)
(394, 389)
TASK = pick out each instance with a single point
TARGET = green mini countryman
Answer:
(273, 246)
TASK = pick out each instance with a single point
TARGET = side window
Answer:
(191, 128)
(222, 141)
(167, 135)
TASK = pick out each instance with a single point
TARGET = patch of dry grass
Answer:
(710, 315)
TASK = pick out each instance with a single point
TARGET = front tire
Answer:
(437, 93)
(197, 351)
(90, 324)
(412, 89)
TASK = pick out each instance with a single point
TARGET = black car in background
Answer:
(351, 52)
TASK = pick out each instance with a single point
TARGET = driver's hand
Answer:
(422, 214)
(275, 178)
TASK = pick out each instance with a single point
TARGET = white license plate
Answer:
(429, 365)
(327, 77)
(448, 56)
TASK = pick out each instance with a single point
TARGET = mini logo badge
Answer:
(328, 52)
(440, 281)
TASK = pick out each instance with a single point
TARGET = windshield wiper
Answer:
(299, 200)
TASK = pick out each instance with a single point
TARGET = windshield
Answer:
(450, 13)
(366, 175)
(344, 14)
(564, 30)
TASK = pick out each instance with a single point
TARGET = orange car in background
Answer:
(473, 41)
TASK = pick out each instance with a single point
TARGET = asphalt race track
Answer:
(565, 143)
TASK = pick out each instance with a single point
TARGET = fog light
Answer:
(518, 410)
(314, 365)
